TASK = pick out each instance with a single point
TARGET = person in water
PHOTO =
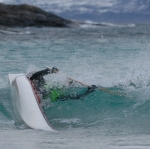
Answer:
(40, 84)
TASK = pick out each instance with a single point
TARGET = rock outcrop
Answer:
(27, 15)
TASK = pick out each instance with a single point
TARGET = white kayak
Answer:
(27, 103)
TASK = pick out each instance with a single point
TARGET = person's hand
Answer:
(55, 70)
(92, 88)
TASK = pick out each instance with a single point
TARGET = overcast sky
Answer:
(93, 8)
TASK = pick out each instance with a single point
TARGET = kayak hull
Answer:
(26, 103)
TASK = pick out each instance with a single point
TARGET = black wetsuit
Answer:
(90, 89)
(39, 77)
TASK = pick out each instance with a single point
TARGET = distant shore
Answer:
(26, 15)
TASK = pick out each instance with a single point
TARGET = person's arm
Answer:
(77, 97)
(41, 73)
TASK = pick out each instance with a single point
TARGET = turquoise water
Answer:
(115, 57)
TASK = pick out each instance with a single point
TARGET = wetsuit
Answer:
(39, 75)
(54, 95)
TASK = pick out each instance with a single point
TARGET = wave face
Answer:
(125, 112)
(114, 57)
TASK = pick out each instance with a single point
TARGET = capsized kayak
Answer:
(27, 103)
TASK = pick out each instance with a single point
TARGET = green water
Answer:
(114, 57)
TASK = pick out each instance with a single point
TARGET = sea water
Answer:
(115, 57)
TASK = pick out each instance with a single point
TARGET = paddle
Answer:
(104, 89)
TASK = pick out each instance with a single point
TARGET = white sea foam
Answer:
(92, 24)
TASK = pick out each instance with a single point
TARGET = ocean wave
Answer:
(92, 24)
(98, 110)
(14, 32)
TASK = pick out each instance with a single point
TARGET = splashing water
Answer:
(116, 58)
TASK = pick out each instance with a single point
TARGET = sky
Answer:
(121, 11)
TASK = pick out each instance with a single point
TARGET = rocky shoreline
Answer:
(26, 15)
